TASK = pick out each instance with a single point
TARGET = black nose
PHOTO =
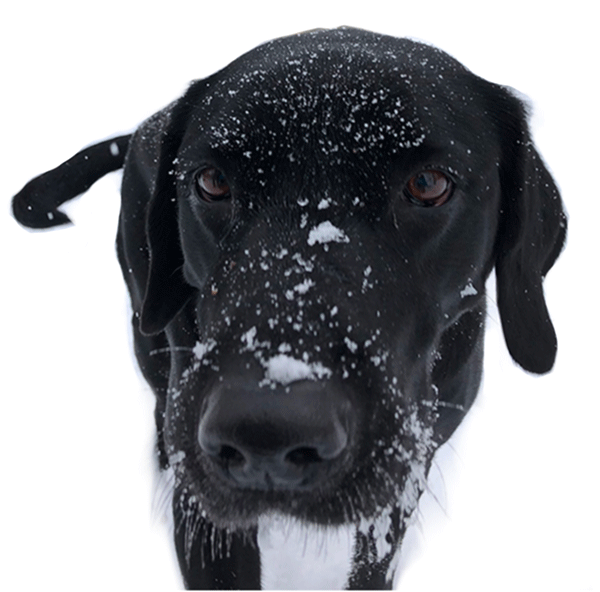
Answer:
(292, 437)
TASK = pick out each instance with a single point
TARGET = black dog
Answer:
(306, 237)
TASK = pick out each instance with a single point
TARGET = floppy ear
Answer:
(531, 236)
(166, 290)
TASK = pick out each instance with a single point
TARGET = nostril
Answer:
(303, 455)
(231, 455)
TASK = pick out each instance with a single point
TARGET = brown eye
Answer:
(212, 185)
(429, 188)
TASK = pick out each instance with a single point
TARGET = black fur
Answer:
(382, 313)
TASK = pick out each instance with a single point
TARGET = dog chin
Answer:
(300, 555)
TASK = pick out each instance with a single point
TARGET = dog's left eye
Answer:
(212, 185)
(429, 188)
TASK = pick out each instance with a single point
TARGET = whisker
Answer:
(163, 494)
(169, 350)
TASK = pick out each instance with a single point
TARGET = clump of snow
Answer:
(468, 290)
(326, 232)
(201, 349)
(304, 287)
(379, 528)
(301, 288)
(176, 458)
(284, 369)
(249, 338)
(366, 283)
(352, 346)
(305, 265)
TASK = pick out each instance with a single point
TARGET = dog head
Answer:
(325, 213)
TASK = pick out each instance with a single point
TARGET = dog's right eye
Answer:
(212, 185)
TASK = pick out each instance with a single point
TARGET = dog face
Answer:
(331, 205)
(306, 237)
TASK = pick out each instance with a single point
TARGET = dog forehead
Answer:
(364, 89)
(347, 53)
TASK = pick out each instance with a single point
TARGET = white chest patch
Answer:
(296, 556)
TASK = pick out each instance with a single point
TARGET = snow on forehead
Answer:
(347, 45)
(357, 60)
(363, 93)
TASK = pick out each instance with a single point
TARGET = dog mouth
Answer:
(328, 507)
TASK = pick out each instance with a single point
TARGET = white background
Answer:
(517, 490)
